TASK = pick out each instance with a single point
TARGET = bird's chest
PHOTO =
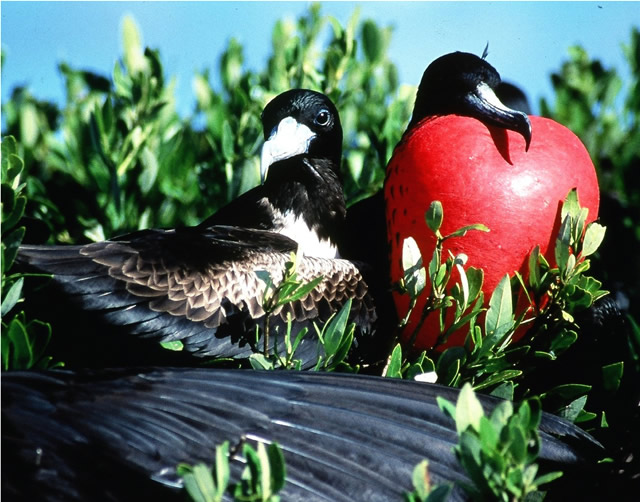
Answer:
(295, 227)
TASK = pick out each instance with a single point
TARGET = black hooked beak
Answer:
(485, 105)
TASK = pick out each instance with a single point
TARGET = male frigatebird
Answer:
(198, 285)
(487, 164)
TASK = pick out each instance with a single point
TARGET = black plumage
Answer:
(118, 434)
(513, 97)
(461, 83)
(199, 284)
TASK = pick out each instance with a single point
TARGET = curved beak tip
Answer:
(526, 134)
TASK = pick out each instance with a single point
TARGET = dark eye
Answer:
(322, 118)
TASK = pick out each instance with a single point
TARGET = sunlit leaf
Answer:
(468, 409)
(593, 237)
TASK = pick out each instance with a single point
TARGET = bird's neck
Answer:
(306, 194)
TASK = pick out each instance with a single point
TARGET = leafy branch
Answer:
(23, 342)
(490, 359)
(335, 336)
(498, 452)
(261, 480)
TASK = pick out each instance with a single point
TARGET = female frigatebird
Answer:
(198, 285)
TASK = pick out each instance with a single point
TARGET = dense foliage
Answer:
(117, 157)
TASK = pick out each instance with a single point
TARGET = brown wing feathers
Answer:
(200, 288)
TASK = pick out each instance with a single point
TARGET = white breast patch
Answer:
(308, 241)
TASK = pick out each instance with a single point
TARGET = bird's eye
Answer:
(322, 118)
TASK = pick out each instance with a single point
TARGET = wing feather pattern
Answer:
(200, 286)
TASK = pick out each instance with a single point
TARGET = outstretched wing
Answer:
(118, 434)
(200, 286)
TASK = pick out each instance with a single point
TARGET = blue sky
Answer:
(527, 40)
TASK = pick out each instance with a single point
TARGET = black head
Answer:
(461, 83)
(301, 121)
(513, 97)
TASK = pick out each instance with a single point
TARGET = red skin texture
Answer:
(482, 174)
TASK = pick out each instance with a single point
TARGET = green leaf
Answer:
(29, 125)
(440, 493)
(504, 390)
(300, 291)
(462, 231)
(133, 55)
(475, 278)
(12, 297)
(394, 366)
(448, 365)
(258, 361)
(434, 216)
(563, 340)
(571, 411)
(174, 345)
(344, 348)
(499, 317)
(265, 470)
(568, 391)
(421, 366)
(150, 168)
(199, 484)
(501, 414)
(488, 434)
(40, 336)
(21, 353)
(122, 82)
(227, 142)
(563, 244)
(547, 478)
(278, 467)
(570, 206)
(372, 41)
(420, 478)
(499, 377)
(415, 276)
(12, 164)
(222, 471)
(335, 329)
(12, 203)
(468, 410)
(264, 276)
(534, 268)
(11, 243)
(518, 443)
(593, 237)
(612, 376)
(447, 407)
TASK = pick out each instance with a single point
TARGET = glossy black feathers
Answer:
(70, 436)
(461, 83)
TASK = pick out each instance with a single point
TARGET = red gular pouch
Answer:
(482, 174)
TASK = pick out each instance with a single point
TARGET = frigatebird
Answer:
(198, 285)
